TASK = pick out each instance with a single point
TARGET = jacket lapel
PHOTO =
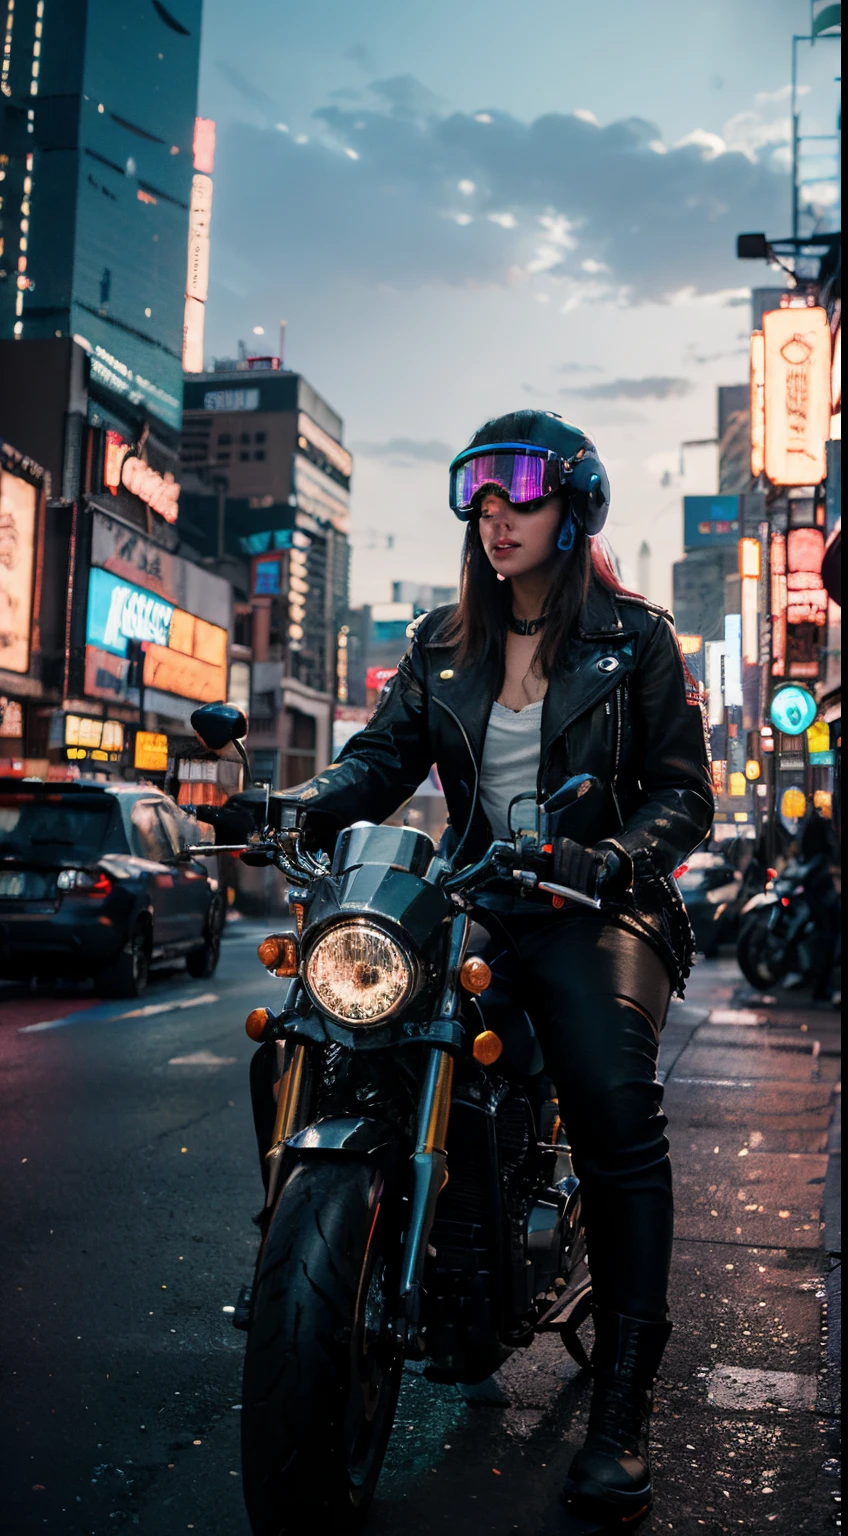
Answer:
(466, 695)
(598, 659)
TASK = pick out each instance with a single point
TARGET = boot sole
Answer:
(601, 1502)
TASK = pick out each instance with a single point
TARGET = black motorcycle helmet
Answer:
(531, 454)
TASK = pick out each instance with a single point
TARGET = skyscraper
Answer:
(97, 112)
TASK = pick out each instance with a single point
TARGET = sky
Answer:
(469, 207)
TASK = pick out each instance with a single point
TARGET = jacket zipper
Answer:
(618, 730)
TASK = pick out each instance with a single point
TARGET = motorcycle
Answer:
(778, 932)
(420, 1199)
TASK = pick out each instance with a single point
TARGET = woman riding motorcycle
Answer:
(547, 668)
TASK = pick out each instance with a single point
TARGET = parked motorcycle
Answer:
(777, 936)
(420, 1200)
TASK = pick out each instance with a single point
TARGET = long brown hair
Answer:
(478, 625)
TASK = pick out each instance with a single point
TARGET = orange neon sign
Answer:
(797, 395)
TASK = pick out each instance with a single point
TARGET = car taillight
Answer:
(86, 882)
(785, 901)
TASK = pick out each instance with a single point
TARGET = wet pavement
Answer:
(130, 1181)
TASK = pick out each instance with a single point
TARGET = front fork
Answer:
(430, 1160)
(293, 1103)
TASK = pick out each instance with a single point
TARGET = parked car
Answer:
(95, 881)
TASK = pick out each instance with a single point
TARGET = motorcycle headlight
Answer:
(358, 973)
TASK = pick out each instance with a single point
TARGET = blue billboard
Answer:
(119, 612)
(711, 522)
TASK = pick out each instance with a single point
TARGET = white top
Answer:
(510, 763)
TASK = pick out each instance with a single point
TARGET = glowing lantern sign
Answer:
(750, 562)
(797, 395)
(777, 564)
(806, 599)
(793, 804)
(200, 216)
(793, 710)
(758, 404)
(818, 737)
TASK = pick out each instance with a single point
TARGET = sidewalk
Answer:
(746, 1424)
(752, 1094)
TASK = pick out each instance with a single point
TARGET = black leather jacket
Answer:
(617, 707)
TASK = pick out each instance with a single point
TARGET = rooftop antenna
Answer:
(282, 343)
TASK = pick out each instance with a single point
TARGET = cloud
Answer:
(575, 367)
(658, 388)
(593, 208)
(401, 449)
(406, 97)
(361, 56)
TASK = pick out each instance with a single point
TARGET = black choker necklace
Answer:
(525, 626)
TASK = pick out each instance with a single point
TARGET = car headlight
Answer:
(358, 973)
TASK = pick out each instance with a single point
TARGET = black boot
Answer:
(611, 1475)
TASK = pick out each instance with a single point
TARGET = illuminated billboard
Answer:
(710, 522)
(183, 654)
(17, 560)
(118, 613)
(797, 395)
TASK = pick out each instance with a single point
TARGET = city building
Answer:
(97, 121)
(266, 494)
(98, 164)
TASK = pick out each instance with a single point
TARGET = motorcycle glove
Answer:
(605, 871)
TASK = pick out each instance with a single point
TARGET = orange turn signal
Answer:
(278, 954)
(475, 975)
(256, 1022)
(487, 1047)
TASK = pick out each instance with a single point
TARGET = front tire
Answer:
(322, 1369)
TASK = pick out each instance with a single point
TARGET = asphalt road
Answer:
(129, 1181)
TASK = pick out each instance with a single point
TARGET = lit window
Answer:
(100, 107)
(23, 242)
(18, 327)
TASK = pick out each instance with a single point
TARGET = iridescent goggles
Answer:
(522, 471)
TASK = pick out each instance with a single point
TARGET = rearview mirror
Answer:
(218, 725)
(573, 789)
(573, 811)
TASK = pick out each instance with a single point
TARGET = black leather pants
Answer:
(597, 996)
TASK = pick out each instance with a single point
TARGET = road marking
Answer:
(150, 1009)
(202, 1059)
(93, 1015)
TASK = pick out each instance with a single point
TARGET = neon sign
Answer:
(160, 492)
(118, 613)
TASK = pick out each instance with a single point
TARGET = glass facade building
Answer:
(97, 110)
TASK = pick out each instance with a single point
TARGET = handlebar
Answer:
(502, 853)
(286, 851)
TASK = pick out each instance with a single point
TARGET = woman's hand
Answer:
(605, 871)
